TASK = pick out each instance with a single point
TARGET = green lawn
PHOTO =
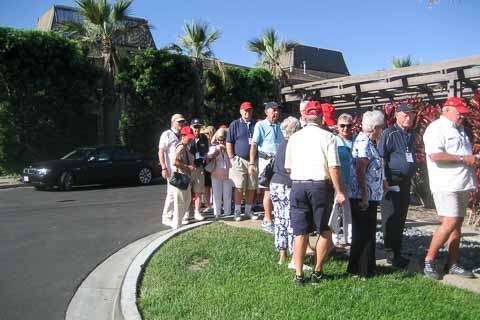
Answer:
(223, 272)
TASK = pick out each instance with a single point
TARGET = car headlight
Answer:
(43, 171)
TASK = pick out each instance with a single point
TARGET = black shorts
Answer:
(310, 206)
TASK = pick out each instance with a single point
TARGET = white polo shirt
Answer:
(310, 152)
(168, 141)
(443, 136)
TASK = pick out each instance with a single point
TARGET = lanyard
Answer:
(176, 135)
(404, 139)
(248, 124)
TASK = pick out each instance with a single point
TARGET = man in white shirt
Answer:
(312, 160)
(166, 153)
(451, 171)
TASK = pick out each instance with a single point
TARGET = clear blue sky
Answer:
(369, 32)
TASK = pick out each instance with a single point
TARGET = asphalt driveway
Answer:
(51, 240)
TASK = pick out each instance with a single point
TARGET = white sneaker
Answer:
(291, 266)
(251, 216)
(198, 216)
(185, 220)
(237, 216)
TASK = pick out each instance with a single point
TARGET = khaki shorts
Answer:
(451, 204)
(198, 180)
(239, 175)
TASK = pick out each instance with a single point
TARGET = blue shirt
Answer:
(268, 136)
(239, 134)
(393, 147)
(363, 148)
(344, 148)
(279, 173)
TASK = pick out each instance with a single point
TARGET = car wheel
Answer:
(144, 176)
(66, 181)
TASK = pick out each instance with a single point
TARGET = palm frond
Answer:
(120, 10)
(71, 29)
(256, 45)
(198, 39)
(91, 10)
(402, 62)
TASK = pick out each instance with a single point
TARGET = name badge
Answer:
(409, 156)
(250, 140)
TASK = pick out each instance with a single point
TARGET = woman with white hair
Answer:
(221, 184)
(365, 194)
(280, 187)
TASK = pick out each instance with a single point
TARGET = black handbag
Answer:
(180, 180)
(267, 174)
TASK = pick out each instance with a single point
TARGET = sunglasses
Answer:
(345, 125)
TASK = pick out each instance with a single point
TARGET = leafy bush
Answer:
(224, 97)
(46, 85)
(156, 84)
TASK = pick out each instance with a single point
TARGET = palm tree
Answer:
(197, 42)
(103, 25)
(402, 62)
(269, 49)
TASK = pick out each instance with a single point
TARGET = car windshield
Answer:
(78, 154)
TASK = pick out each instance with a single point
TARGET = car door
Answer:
(100, 167)
(125, 164)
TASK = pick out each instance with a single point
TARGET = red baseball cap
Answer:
(313, 108)
(187, 131)
(246, 106)
(223, 126)
(328, 111)
(458, 103)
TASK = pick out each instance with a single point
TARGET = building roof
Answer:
(316, 59)
(432, 82)
(57, 14)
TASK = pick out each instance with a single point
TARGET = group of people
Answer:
(327, 182)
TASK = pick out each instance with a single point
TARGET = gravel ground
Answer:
(417, 239)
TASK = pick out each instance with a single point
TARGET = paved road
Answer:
(50, 241)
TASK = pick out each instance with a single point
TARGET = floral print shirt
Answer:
(363, 147)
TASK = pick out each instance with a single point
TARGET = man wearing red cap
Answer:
(328, 114)
(451, 170)
(239, 138)
(312, 160)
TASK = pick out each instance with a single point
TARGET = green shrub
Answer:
(46, 85)
(155, 84)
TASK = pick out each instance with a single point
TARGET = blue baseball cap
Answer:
(403, 107)
(272, 104)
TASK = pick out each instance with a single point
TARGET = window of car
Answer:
(103, 155)
(78, 154)
(123, 154)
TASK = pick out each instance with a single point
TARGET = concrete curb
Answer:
(129, 289)
(96, 297)
(13, 185)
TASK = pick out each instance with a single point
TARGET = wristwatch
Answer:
(461, 159)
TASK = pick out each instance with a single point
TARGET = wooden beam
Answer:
(448, 65)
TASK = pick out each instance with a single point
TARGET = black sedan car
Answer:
(93, 165)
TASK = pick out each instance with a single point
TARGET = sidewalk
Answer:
(6, 183)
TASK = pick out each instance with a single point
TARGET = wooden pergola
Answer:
(432, 82)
